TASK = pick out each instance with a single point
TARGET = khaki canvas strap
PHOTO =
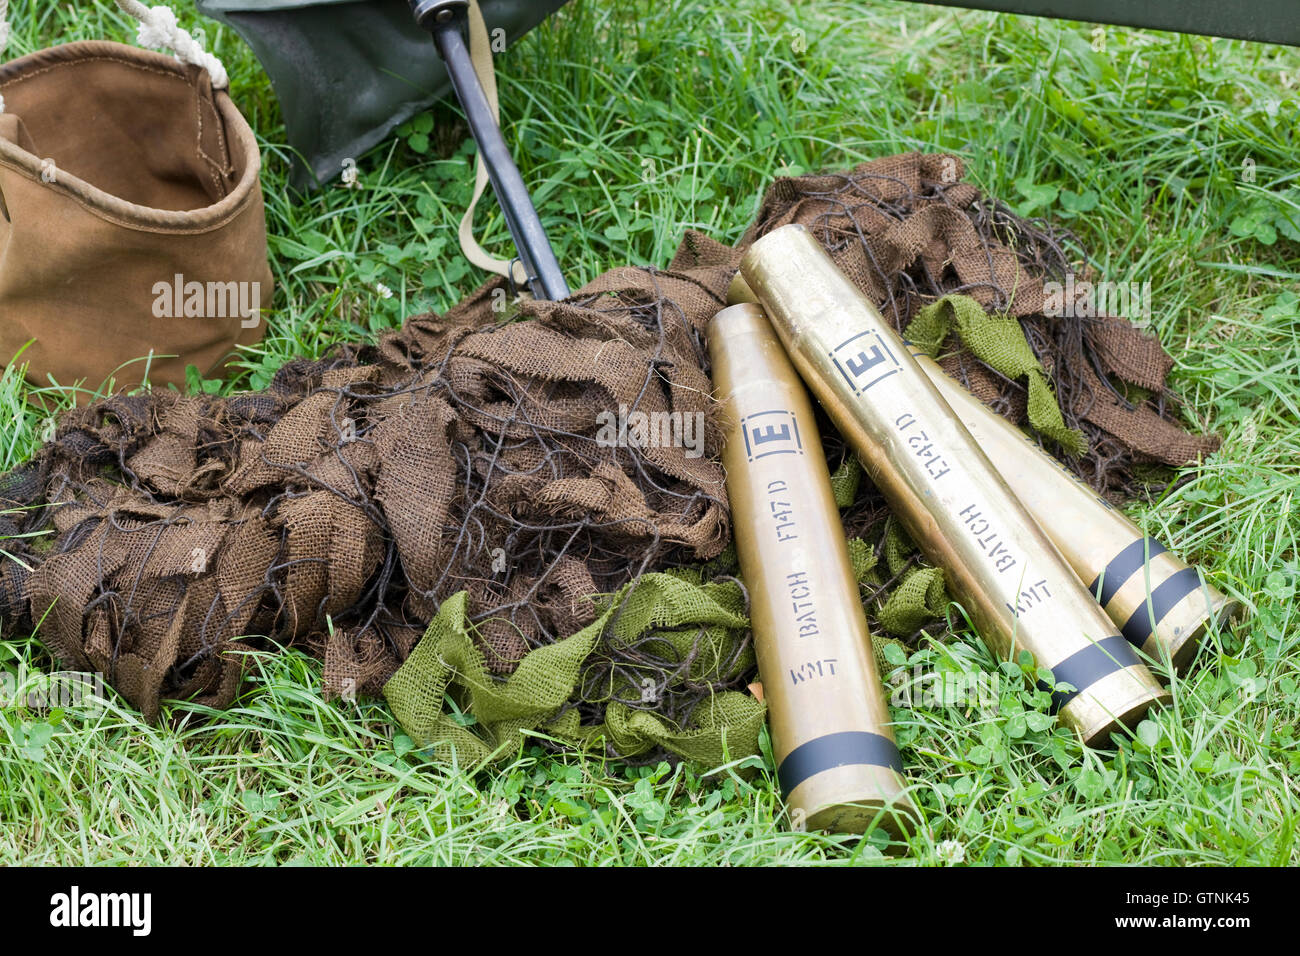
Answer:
(480, 51)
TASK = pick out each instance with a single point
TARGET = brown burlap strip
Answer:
(470, 452)
(338, 509)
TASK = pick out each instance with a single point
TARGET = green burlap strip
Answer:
(917, 598)
(845, 482)
(675, 607)
(709, 617)
(999, 341)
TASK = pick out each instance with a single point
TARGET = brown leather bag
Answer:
(132, 230)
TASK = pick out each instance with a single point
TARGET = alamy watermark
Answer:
(1080, 298)
(68, 690)
(937, 689)
(351, 175)
(208, 300)
(75, 909)
(637, 429)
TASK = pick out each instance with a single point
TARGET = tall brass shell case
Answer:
(837, 760)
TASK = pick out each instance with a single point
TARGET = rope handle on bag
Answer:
(158, 30)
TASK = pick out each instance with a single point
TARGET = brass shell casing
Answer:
(836, 756)
(1160, 604)
(1014, 584)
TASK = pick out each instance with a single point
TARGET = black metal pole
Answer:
(444, 18)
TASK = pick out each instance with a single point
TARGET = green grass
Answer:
(633, 124)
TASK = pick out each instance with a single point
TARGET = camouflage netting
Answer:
(463, 457)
